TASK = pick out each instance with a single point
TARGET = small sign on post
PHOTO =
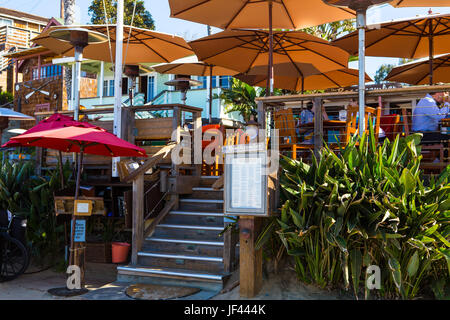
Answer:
(80, 231)
(83, 207)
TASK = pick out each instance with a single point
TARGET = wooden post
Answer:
(197, 143)
(176, 126)
(250, 258)
(318, 126)
(138, 212)
(261, 115)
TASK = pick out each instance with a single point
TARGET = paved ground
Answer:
(100, 280)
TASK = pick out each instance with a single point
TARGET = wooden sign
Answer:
(80, 231)
(83, 207)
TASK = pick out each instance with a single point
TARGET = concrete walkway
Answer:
(100, 281)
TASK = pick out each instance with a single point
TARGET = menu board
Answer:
(246, 188)
(246, 183)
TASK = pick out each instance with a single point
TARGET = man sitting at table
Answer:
(307, 116)
(426, 117)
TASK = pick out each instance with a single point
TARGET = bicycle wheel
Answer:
(14, 258)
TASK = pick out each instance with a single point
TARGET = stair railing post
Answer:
(138, 217)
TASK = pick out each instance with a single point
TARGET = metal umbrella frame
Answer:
(192, 66)
(262, 14)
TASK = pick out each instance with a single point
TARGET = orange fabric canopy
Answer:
(139, 45)
(191, 66)
(333, 79)
(295, 53)
(234, 14)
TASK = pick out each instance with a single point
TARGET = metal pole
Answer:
(361, 24)
(210, 93)
(76, 85)
(269, 86)
(118, 81)
(431, 52)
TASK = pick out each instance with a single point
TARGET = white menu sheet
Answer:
(246, 178)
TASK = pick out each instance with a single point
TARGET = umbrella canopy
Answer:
(420, 3)
(192, 66)
(92, 140)
(235, 14)
(55, 121)
(333, 79)
(407, 38)
(139, 45)
(295, 53)
(13, 115)
(417, 72)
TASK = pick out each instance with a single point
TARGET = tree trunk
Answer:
(69, 18)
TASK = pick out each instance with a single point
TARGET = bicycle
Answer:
(14, 257)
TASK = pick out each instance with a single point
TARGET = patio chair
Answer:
(391, 125)
(352, 121)
(285, 123)
(428, 151)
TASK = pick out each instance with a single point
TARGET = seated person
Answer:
(426, 117)
(307, 116)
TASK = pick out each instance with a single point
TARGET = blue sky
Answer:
(189, 30)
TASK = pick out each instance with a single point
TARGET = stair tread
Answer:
(206, 189)
(155, 270)
(201, 200)
(184, 241)
(219, 213)
(185, 226)
(179, 256)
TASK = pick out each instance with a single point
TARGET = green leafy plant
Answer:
(366, 206)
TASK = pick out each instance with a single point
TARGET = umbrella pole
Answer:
(74, 257)
(210, 93)
(361, 24)
(431, 52)
(61, 169)
(269, 86)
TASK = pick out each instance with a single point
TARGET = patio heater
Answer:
(79, 38)
(183, 83)
(360, 6)
(131, 71)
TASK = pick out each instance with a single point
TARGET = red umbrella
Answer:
(55, 121)
(82, 138)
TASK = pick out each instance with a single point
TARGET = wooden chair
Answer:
(391, 125)
(428, 150)
(352, 122)
(285, 123)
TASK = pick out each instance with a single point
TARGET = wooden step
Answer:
(200, 205)
(206, 193)
(182, 261)
(171, 276)
(190, 247)
(188, 232)
(207, 181)
(197, 218)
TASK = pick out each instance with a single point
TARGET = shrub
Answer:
(367, 206)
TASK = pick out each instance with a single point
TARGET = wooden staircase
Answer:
(185, 249)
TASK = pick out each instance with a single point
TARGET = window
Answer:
(125, 86)
(225, 82)
(215, 83)
(5, 22)
(150, 88)
(105, 88)
(47, 71)
(204, 81)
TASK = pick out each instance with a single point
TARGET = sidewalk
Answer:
(100, 280)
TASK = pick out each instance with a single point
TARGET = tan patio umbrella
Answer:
(420, 3)
(417, 72)
(333, 79)
(295, 53)
(259, 14)
(406, 38)
(191, 66)
(139, 45)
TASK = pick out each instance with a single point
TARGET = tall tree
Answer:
(382, 73)
(331, 31)
(142, 18)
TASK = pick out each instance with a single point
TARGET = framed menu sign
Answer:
(246, 182)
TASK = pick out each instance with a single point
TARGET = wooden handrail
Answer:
(167, 208)
(150, 162)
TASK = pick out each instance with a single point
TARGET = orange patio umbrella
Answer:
(192, 66)
(417, 72)
(139, 45)
(333, 79)
(259, 14)
(295, 53)
(406, 38)
(420, 3)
